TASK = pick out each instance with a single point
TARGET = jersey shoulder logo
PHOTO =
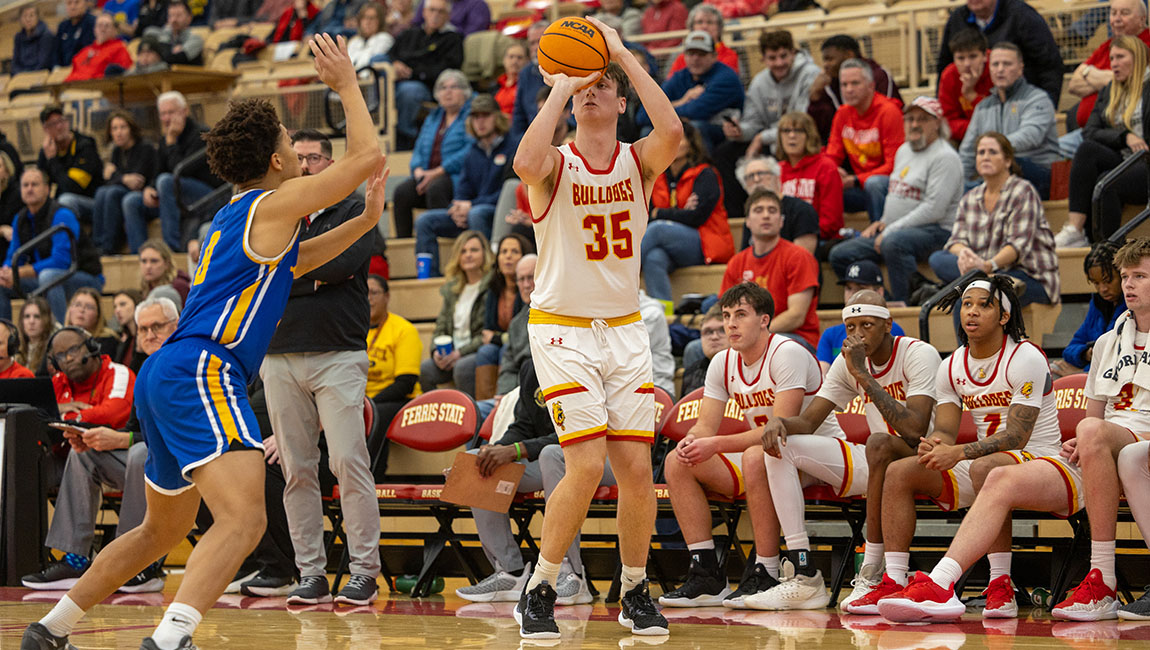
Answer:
(1027, 389)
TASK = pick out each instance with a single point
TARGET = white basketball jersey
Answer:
(1129, 408)
(1018, 374)
(589, 236)
(911, 370)
(784, 366)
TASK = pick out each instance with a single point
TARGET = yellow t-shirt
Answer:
(393, 349)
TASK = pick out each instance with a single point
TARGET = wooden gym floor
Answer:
(446, 621)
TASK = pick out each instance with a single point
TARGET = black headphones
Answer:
(13, 337)
(91, 345)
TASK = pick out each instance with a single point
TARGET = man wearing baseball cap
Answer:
(925, 186)
(860, 276)
(704, 92)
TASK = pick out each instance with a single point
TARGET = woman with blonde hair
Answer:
(37, 326)
(807, 173)
(158, 269)
(462, 316)
(86, 312)
(1117, 127)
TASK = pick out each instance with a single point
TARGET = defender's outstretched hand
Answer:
(373, 199)
(332, 63)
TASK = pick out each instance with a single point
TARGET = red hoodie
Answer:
(816, 180)
(955, 108)
(869, 140)
(108, 391)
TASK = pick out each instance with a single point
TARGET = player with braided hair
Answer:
(1004, 382)
(1106, 305)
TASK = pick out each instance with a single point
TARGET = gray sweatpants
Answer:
(307, 392)
(494, 528)
(81, 492)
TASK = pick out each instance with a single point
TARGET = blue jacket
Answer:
(33, 52)
(482, 178)
(1095, 325)
(530, 81)
(71, 38)
(452, 151)
(723, 90)
(61, 257)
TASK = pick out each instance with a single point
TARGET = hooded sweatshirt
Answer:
(768, 99)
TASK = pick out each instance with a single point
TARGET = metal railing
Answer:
(28, 248)
(1105, 184)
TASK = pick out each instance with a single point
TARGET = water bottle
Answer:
(848, 233)
(1040, 597)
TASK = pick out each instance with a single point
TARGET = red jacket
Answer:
(290, 27)
(718, 246)
(955, 108)
(816, 180)
(505, 96)
(869, 140)
(108, 391)
(16, 371)
(92, 61)
(664, 16)
(1100, 59)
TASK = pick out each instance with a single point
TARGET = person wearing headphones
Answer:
(10, 337)
(90, 388)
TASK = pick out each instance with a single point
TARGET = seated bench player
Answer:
(766, 374)
(895, 377)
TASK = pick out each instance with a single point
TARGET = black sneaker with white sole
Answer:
(59, 576)
(754, 581)
(148, 581)
(535, 613)
(1139, 610)
(37, 637)
(638, 613)
(265, 585)
(312, 590)
(185, 644)
(359, 590)
(704, 587)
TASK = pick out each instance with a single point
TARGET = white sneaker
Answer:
(869, 576)
(1070, 237)
(234, 586)
(500, 586)
(797, 592)
(572, 590)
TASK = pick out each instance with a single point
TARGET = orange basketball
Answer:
(574, 47)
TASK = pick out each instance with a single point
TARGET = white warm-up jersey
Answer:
(911, 370)
(589, 236)
(785, 365)
(1018, 374)
(1128, 408)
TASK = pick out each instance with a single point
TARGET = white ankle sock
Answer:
(946, 573)
(798, 542)
(999, 564)
(872, 553)
(63, 617)
(632, 577)
(179, 621)
(702, 546)
(897, 564)
(771, 564)
(1102, 558)
(544, 570)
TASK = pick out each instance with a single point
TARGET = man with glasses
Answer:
(315, 378)
(104, 455)
(420, 53)
(922, 199)
(72, 162)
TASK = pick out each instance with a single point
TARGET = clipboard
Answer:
(465, 487)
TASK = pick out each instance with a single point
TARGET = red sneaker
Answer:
(1000, 601)
(922, 600)
(867, 604)
(1091, 600)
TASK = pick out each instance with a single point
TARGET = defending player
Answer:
(203, 439)
(1117, 415)
(587, 340)
(1004, 381)
(766, 374)
(895, 378)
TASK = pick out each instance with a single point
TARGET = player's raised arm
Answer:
(317, 251)
(536, 158)
(301, 196)
(658, 149)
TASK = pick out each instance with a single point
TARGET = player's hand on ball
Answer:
(332, 63)
(615, 47)
(566, 84)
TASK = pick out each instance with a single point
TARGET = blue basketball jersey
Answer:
(238, 297)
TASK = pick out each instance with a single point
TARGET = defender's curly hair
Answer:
(241, 143)
(1003, 285)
